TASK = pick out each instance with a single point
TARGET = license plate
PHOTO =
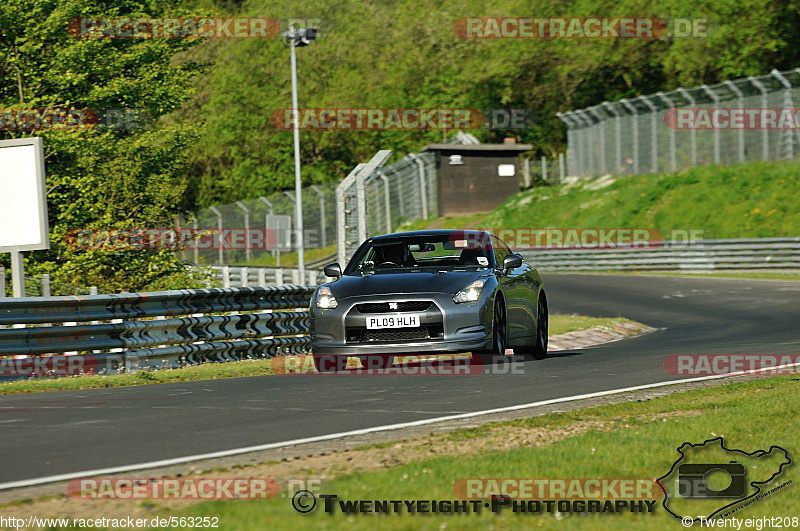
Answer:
(393, 321)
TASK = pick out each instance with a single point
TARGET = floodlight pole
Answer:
(298, 190)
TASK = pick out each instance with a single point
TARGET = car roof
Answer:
(433, 232)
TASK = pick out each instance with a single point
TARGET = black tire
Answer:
(538, 351)
(499, 335)
(542, 326)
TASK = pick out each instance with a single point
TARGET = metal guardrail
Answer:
(157, 330)
(702, 255)
(249, 276)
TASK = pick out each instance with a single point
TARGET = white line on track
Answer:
(363, 431)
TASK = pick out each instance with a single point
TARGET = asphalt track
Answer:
(47, 434)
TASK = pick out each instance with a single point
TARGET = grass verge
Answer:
(290, 259)
(559, 324)
(753, 200)
(627, 440)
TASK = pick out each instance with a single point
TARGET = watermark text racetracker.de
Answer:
(105, 522)
(580, 28)
(403, 119)
(377, 365)
(720, 364)
(520, 239)
(733, 118)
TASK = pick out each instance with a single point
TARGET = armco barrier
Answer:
(702, 255)
(156, 330)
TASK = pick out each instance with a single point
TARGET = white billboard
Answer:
(23, 201)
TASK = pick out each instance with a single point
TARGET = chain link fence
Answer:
(643, 135)
(268, 229)
(377, 199)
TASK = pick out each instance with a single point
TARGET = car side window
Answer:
(501, 250)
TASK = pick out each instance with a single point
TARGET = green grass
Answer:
(559, 324)
(753, 200)
(632, 440)
(290, 259)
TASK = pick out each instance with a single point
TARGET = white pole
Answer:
(17, 274)
(298, 190)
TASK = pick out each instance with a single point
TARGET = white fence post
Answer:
(635, 123)
(764, 105)
(693, 131)
(740, 101)
(45, 285)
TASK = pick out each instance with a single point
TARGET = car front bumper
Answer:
(444, 326)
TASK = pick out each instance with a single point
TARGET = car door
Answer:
(514, 284)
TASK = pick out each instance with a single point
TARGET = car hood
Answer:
(388, 283)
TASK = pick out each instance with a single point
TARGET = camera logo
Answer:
(693, 480)
(710, 480)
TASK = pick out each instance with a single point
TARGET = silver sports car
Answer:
(432, 291)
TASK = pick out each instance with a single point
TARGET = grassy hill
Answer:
(753, 200)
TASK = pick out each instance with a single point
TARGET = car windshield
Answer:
(441, 252)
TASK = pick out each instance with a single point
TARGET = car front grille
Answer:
(403, 306)
(363, 335)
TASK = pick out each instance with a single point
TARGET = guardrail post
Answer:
(740, 100)
(262, 277)
(279, 277)
(693, 131)
(2, 282)
(635, 122)
(226, 276)
(93, 290)
(245, 273)
(295, 276)
(45, 285)
(312, 278)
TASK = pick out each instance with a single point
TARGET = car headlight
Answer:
(325, 299)
(471, 293)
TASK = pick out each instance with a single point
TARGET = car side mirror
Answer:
(333, 270)
(511, 261)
